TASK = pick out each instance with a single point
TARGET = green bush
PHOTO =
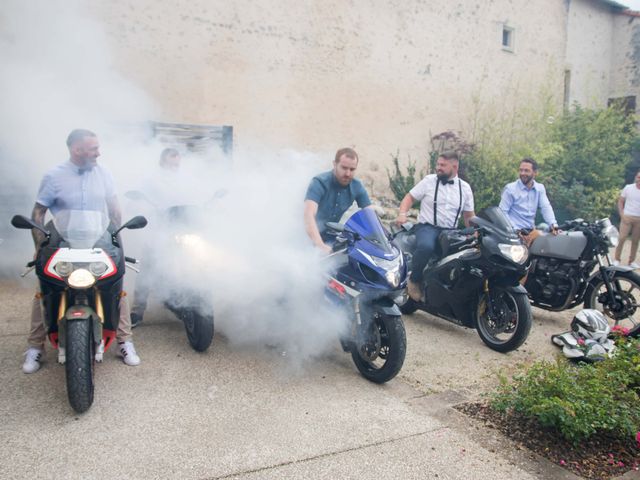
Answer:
(579, 401)
(586, 173)
(400, 183)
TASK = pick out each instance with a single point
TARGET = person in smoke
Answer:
(330, 194)
(156, 190)
(78, 184)
(443, 198)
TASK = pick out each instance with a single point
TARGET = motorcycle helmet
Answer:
(590, 324)
(576, 348)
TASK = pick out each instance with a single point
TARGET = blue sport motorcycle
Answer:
(369, 282)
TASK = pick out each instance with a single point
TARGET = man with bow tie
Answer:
(77, 184)
(444, 199)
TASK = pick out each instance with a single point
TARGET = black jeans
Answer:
(426, 246)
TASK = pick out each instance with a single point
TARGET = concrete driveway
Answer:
(258, 412)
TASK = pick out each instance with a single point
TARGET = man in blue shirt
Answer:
(78, 184)
(330, 194)
(521, 199)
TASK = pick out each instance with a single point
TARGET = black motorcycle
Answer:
(473, 280)
(175, 254)
(574, 267)
(80, 266)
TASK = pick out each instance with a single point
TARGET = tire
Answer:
(199, 328)
(380, 355)
(625, 312)
(510, 325)
(409, 307)
(80, 348)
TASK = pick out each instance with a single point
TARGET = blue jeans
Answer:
(426, 246)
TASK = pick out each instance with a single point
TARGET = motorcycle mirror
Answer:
(135, 195)
(222, 192)
(136, 222)
(22, 222)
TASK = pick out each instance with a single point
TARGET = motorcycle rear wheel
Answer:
(381, 355)
(509, 326)
(626, 312)
(199, 328)
(79, 363)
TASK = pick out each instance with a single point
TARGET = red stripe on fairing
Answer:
(115, 269)
(52, 272)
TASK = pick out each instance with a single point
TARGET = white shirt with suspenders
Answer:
(442, 205)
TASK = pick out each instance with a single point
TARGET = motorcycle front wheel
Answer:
(505, 324)
(379, 353)
(79, 348)
(624, 310)
(199, 328)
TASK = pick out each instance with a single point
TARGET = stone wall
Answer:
(318, 75)
(625, 70)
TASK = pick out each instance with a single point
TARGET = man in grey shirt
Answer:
(78, 184)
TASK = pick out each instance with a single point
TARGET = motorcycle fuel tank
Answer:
(565, 245)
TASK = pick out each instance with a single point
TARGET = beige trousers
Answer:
(37, 334)
(629, 225)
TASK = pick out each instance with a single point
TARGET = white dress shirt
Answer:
(453, 199)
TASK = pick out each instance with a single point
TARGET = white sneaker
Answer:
(128, 353)
(32, 359)
(62, 355)
(615, 263)
(634, 265)
(100, 352)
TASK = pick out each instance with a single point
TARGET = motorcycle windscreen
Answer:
(81, 228)
(366, 223)
(497, 219)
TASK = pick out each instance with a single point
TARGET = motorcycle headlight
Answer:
(516, 253)
(81, 278)
(190, 240)
(63, 268)
(612, 235)
(393, 277)
(98, 268)
(391, 267)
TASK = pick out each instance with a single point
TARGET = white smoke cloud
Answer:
(249, 249)
(257, 265)
(57, 75)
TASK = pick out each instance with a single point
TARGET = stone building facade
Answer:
(378, 75)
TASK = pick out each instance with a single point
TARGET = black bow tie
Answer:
(445, 182)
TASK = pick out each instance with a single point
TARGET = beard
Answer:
(526, 179)
(89, 162)
(443, 177)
